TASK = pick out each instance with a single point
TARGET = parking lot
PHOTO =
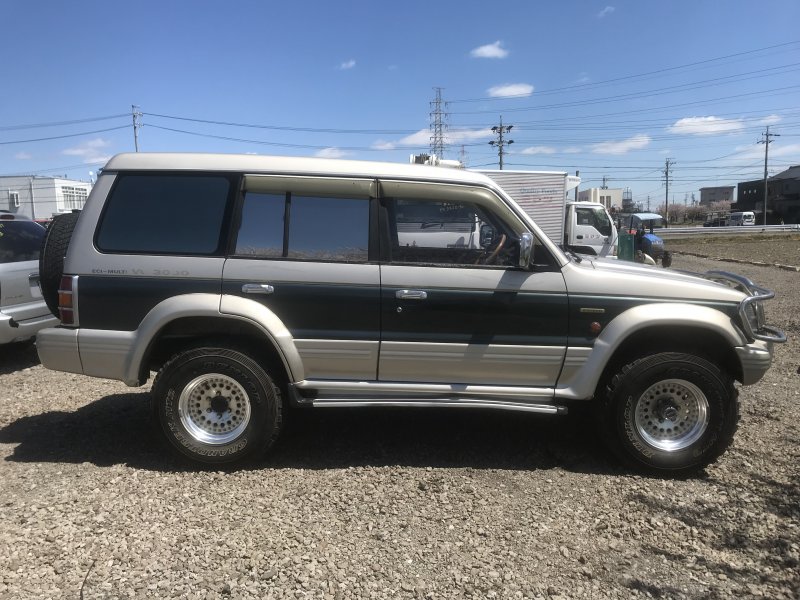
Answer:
(405, 503)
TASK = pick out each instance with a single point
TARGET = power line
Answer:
(625, 77)
(59, 123)
(61, 137)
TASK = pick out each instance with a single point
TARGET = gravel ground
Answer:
(400, 504)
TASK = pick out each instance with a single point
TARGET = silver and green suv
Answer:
(253, 283)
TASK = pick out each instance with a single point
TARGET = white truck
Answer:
(583, 227)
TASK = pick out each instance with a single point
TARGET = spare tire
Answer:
(51, 257)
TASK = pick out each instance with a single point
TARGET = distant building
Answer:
(42, 197)
(783, 197)
(605, 196)
(710, 195)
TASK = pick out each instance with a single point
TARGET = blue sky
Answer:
(608, 88)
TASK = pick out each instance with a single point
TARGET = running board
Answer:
(444, 402)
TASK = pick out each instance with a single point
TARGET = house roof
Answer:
(790, 173)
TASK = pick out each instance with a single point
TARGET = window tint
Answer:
(320, 228)
(261, 228)
(20, 240)
(451, 233)
(329, 228)
(164, 214)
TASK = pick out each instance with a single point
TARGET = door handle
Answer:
(257, 288)
(580, 237)
(411, 295)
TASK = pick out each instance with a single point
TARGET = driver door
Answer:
(455, 308)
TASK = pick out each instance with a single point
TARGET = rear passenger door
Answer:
(302, 249)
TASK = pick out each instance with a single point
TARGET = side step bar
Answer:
(548, 409)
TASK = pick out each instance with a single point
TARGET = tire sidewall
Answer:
(263, 405)
(699, 373)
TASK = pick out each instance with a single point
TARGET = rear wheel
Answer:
(217, 405)
(670, 412)
(51, 257)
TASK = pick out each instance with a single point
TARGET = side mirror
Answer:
(487, 236)
(525, 250)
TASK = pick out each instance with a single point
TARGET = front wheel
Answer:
(217, 405)
(670, 412)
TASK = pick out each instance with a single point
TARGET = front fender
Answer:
(580, 382)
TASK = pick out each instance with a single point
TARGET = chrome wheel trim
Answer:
(214, 409)
(671, 415)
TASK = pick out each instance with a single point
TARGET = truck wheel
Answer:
(217, 405)
(51, 257)
(666, 260)
(670, 412)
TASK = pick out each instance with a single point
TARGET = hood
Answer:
(610, 276)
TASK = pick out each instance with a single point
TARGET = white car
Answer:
(23, 311)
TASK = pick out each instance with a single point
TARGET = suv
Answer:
(23, 312)
(262, 282)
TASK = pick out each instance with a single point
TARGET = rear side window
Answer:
(318, 228)
(165, 214)
(20, 240)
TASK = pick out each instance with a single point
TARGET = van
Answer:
(742, 218)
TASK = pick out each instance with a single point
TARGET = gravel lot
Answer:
(401, 504)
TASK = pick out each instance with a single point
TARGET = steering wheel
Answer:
(493, 255)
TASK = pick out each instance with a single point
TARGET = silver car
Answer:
(23, 312)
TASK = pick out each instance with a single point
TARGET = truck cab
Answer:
(588, 229)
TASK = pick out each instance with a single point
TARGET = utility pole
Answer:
(667, 164)
(462, 156)
(766, 141)
(438, 124)
(500, 142)
(137, 122)
(605, 183)
(577, 174)
(648, 203)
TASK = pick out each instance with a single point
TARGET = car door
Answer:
(455, 307)
(302, 249)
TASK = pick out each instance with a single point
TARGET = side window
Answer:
(164, 214)
(304, 227)
(447, 233)
(20, 240)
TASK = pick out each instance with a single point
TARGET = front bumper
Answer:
(756, 359)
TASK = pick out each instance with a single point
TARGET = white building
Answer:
(608, 197)
(42, 197)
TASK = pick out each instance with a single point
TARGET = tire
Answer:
(216, 405)
(51, 257)
(670, 413)
(666, 260)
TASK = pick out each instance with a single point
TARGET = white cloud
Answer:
(573, 150)
(755, 152)
(510, 89)
(705, 126)
(495, 50)
(606, 11)
(348, 64)
(23, 156)
(423, 138)
(637, 142)
(771, 120)
(91, 151)
(583, 77)
(539, 150)
(330, 153)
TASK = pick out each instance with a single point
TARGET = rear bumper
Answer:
(93, 352)
(12, 330)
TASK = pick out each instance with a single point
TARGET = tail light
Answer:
(68, 300)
